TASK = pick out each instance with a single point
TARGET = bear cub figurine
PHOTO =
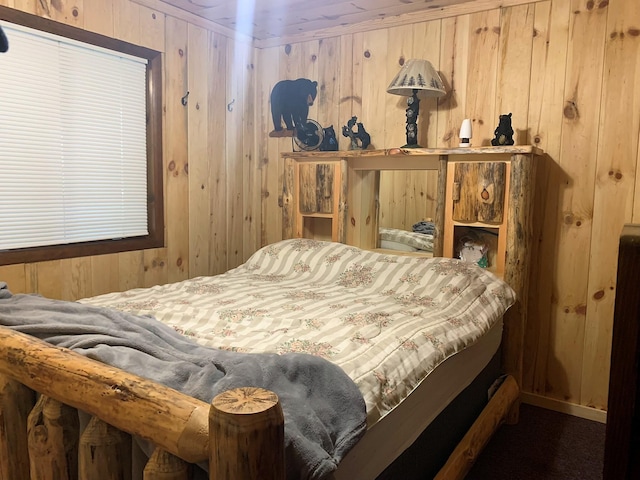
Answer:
(504, 132)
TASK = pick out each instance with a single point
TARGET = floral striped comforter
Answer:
(386, 320)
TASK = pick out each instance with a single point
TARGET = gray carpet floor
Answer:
(544, 445)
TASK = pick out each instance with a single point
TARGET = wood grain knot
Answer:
(615, 175)
(568, 218)
(571, 110)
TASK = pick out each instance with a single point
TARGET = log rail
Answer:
(43, 388)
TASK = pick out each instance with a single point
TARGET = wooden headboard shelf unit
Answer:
(497, 180)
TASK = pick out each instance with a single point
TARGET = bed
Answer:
(411, 336)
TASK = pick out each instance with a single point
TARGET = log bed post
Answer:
(164, 466)
(441, 195)
(517, 267)
(246, 430)
(54, 432)
(104, 452)
(16, 402)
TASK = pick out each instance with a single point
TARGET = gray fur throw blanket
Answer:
(323, 409)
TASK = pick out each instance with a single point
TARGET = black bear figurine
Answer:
(504, 132)
(360, 139)
(329, 142)
(363, 135)
(290, 102)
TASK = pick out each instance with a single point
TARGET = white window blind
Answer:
(73, 161)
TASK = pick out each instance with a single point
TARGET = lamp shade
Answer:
(417, 75)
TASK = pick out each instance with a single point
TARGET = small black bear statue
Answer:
(504, 132)
(329, 142)
(360, 139)
(363, 136)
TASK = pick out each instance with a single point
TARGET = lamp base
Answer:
(413, 107)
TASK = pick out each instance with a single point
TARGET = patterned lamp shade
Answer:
(417, 75)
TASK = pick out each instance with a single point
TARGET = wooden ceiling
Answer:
(267, 20)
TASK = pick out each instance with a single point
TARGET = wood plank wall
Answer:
(566, 69)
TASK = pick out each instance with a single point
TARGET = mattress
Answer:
(387, 439)
(387, 320)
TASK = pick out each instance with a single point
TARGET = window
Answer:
(80, 144)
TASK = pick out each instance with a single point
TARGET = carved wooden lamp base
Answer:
(413, 106)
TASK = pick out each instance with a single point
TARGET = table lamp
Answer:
(417, 78)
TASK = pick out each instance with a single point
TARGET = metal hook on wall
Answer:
(183, 100)
(230, 105)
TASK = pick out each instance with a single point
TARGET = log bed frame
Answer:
(240, 434)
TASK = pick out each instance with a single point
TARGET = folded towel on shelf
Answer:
(424, 227)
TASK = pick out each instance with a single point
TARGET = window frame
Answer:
(155, 184)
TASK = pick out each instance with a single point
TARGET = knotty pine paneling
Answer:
(566, 69)
(546, 99)
(176, 148)
(198, 131)
(616, 170)
(270, 164)
(216, 151)
(574, 216)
